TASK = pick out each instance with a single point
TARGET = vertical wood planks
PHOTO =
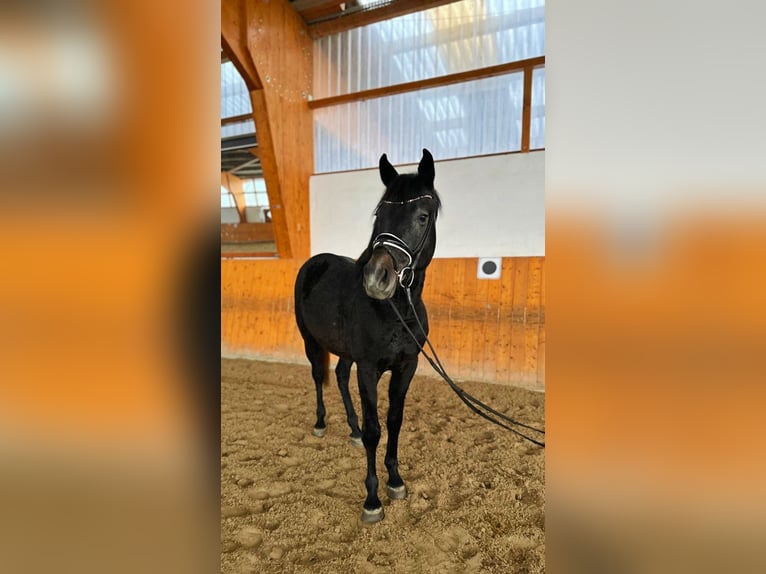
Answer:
(505, 313)
(466, 306)
(256, 309)
(488, 330)
(460, 330)
(491, 328)
(532, 330)
(519, 318)
(541, 331)
(477, 319)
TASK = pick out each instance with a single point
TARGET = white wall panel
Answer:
(493, 206)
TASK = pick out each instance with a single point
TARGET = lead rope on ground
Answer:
(470, 401)
(443, 372)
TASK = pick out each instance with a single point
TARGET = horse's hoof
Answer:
(372, 516)
(356, 441)
(319, 432)
(397, 492)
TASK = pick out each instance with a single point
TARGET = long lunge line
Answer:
(472, 402)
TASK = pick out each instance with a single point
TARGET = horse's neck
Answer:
(417, 284)
(364, 258)
(416, 290)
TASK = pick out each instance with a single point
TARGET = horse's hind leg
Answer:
(319, 360)
(343, 373)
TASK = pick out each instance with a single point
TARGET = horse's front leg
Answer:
(397, 391)
(368, 391)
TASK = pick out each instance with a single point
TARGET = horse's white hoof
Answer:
(319, 432)
(397, 492)
(356, 441)
(372, 516)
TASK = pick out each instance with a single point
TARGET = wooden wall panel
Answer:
(518, 317)
(246, 232)
(491, 330)
(257, 316)
(486, 330)
(541, 335)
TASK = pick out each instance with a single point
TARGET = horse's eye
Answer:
(423, 217)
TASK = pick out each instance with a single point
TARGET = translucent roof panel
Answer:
(456, 37)
(458, 120)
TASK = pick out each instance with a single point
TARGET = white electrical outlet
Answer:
(489, 267)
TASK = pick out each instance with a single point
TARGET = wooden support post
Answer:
(235, 187)
(234, 42)
(526, 114)
(279, 46)
(266, 154)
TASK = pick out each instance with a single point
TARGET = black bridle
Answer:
(406, 276)
(388, 241)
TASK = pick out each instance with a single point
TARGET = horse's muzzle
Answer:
(380, 276)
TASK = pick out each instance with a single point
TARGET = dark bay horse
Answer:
(343, 307)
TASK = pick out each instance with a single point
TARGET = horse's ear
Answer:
(426, 168)
(387, 171)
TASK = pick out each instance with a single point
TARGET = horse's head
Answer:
(404, 235)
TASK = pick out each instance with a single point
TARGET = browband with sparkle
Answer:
(406, 201)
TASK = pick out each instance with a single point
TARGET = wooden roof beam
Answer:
(234, 185)
(458, 77)
(234, 42)
(365, 17)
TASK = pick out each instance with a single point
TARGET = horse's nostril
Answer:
(384, 277)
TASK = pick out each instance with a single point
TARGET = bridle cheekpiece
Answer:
(389, 241)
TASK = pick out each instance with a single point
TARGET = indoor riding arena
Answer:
(313, 94)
